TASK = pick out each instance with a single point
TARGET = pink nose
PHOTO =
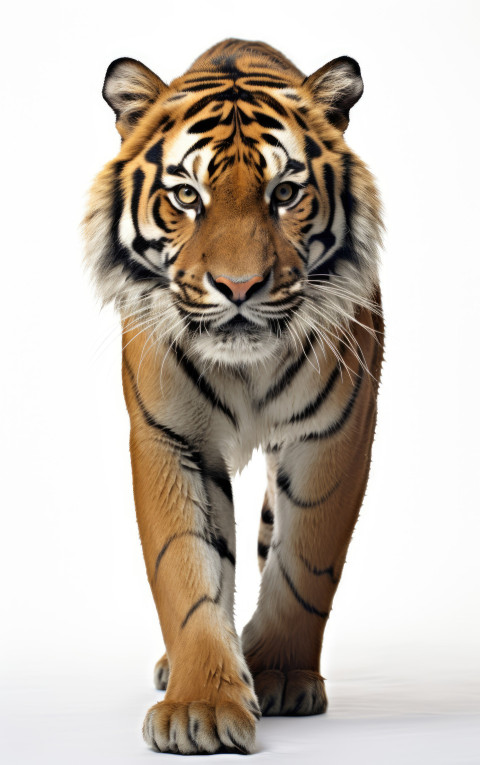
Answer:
(238, 290)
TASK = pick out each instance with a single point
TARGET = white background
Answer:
(80, 634)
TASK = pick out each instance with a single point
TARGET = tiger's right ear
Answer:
(130, 88)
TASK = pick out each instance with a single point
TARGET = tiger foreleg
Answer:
(187, 539)
(320, 484)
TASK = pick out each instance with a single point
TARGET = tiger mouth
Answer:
(239, 323)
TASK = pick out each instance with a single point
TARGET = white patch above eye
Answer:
(275, 154)
(195, 164)
(190, 179)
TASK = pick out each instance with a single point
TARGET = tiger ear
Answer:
(338, 85)
(130, 88)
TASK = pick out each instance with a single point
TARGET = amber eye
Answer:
(186, 195)
(284, 193)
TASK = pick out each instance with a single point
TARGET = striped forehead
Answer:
(185, 159)
(228, 126)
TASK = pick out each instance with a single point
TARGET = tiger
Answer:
(238, 237)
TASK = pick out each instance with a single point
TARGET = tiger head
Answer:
(235, 219)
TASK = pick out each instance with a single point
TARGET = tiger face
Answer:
(235, 218)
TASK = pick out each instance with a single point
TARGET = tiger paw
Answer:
(161, 673)
(197, 726)
(297, 692)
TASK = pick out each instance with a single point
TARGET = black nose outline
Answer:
(227, 292)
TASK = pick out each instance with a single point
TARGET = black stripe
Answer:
(169, 541)
(283, 483)
(273, 448)
(277, 326)
(177, 170)
(300, 120)
(312, 148)
(338, 424)
(206, 78)
(271, 102)
(204, 86)
(205, 125)
(155, 152)
(268, 122)
(274, 142)
(265, 84)
(197, 146)
(197, 107)
(291, 300)
(178, 440)
(319, 571)
(266, 76)
(313, 209)
(202, 306)
(203, 599)
(294, 165)
(267, 516)
(263, 550)
(307, 606)
(138, 271)
(349, 204)
(138, 178)
(193, 315)
(155, 156)
(326, 237)
(315, 405)
(288, 376)
(219, 544)
(303, 258)
(200, 601)
(202, 385)
(140, 244)
(116, 252)
(157, 217)
(222, 481)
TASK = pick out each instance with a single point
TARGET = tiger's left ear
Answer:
(130, 88)
(338, 85)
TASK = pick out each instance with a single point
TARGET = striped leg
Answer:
(320, 483)
(187, 537)
(221, 516)
(267, 517)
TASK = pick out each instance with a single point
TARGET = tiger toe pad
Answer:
(199, 727)
(297, 692)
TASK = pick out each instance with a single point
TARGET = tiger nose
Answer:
(238, 290)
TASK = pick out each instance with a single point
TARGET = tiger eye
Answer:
(284, 192)
(186, 195)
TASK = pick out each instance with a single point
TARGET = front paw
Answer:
(297, 692)
(198, 726)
